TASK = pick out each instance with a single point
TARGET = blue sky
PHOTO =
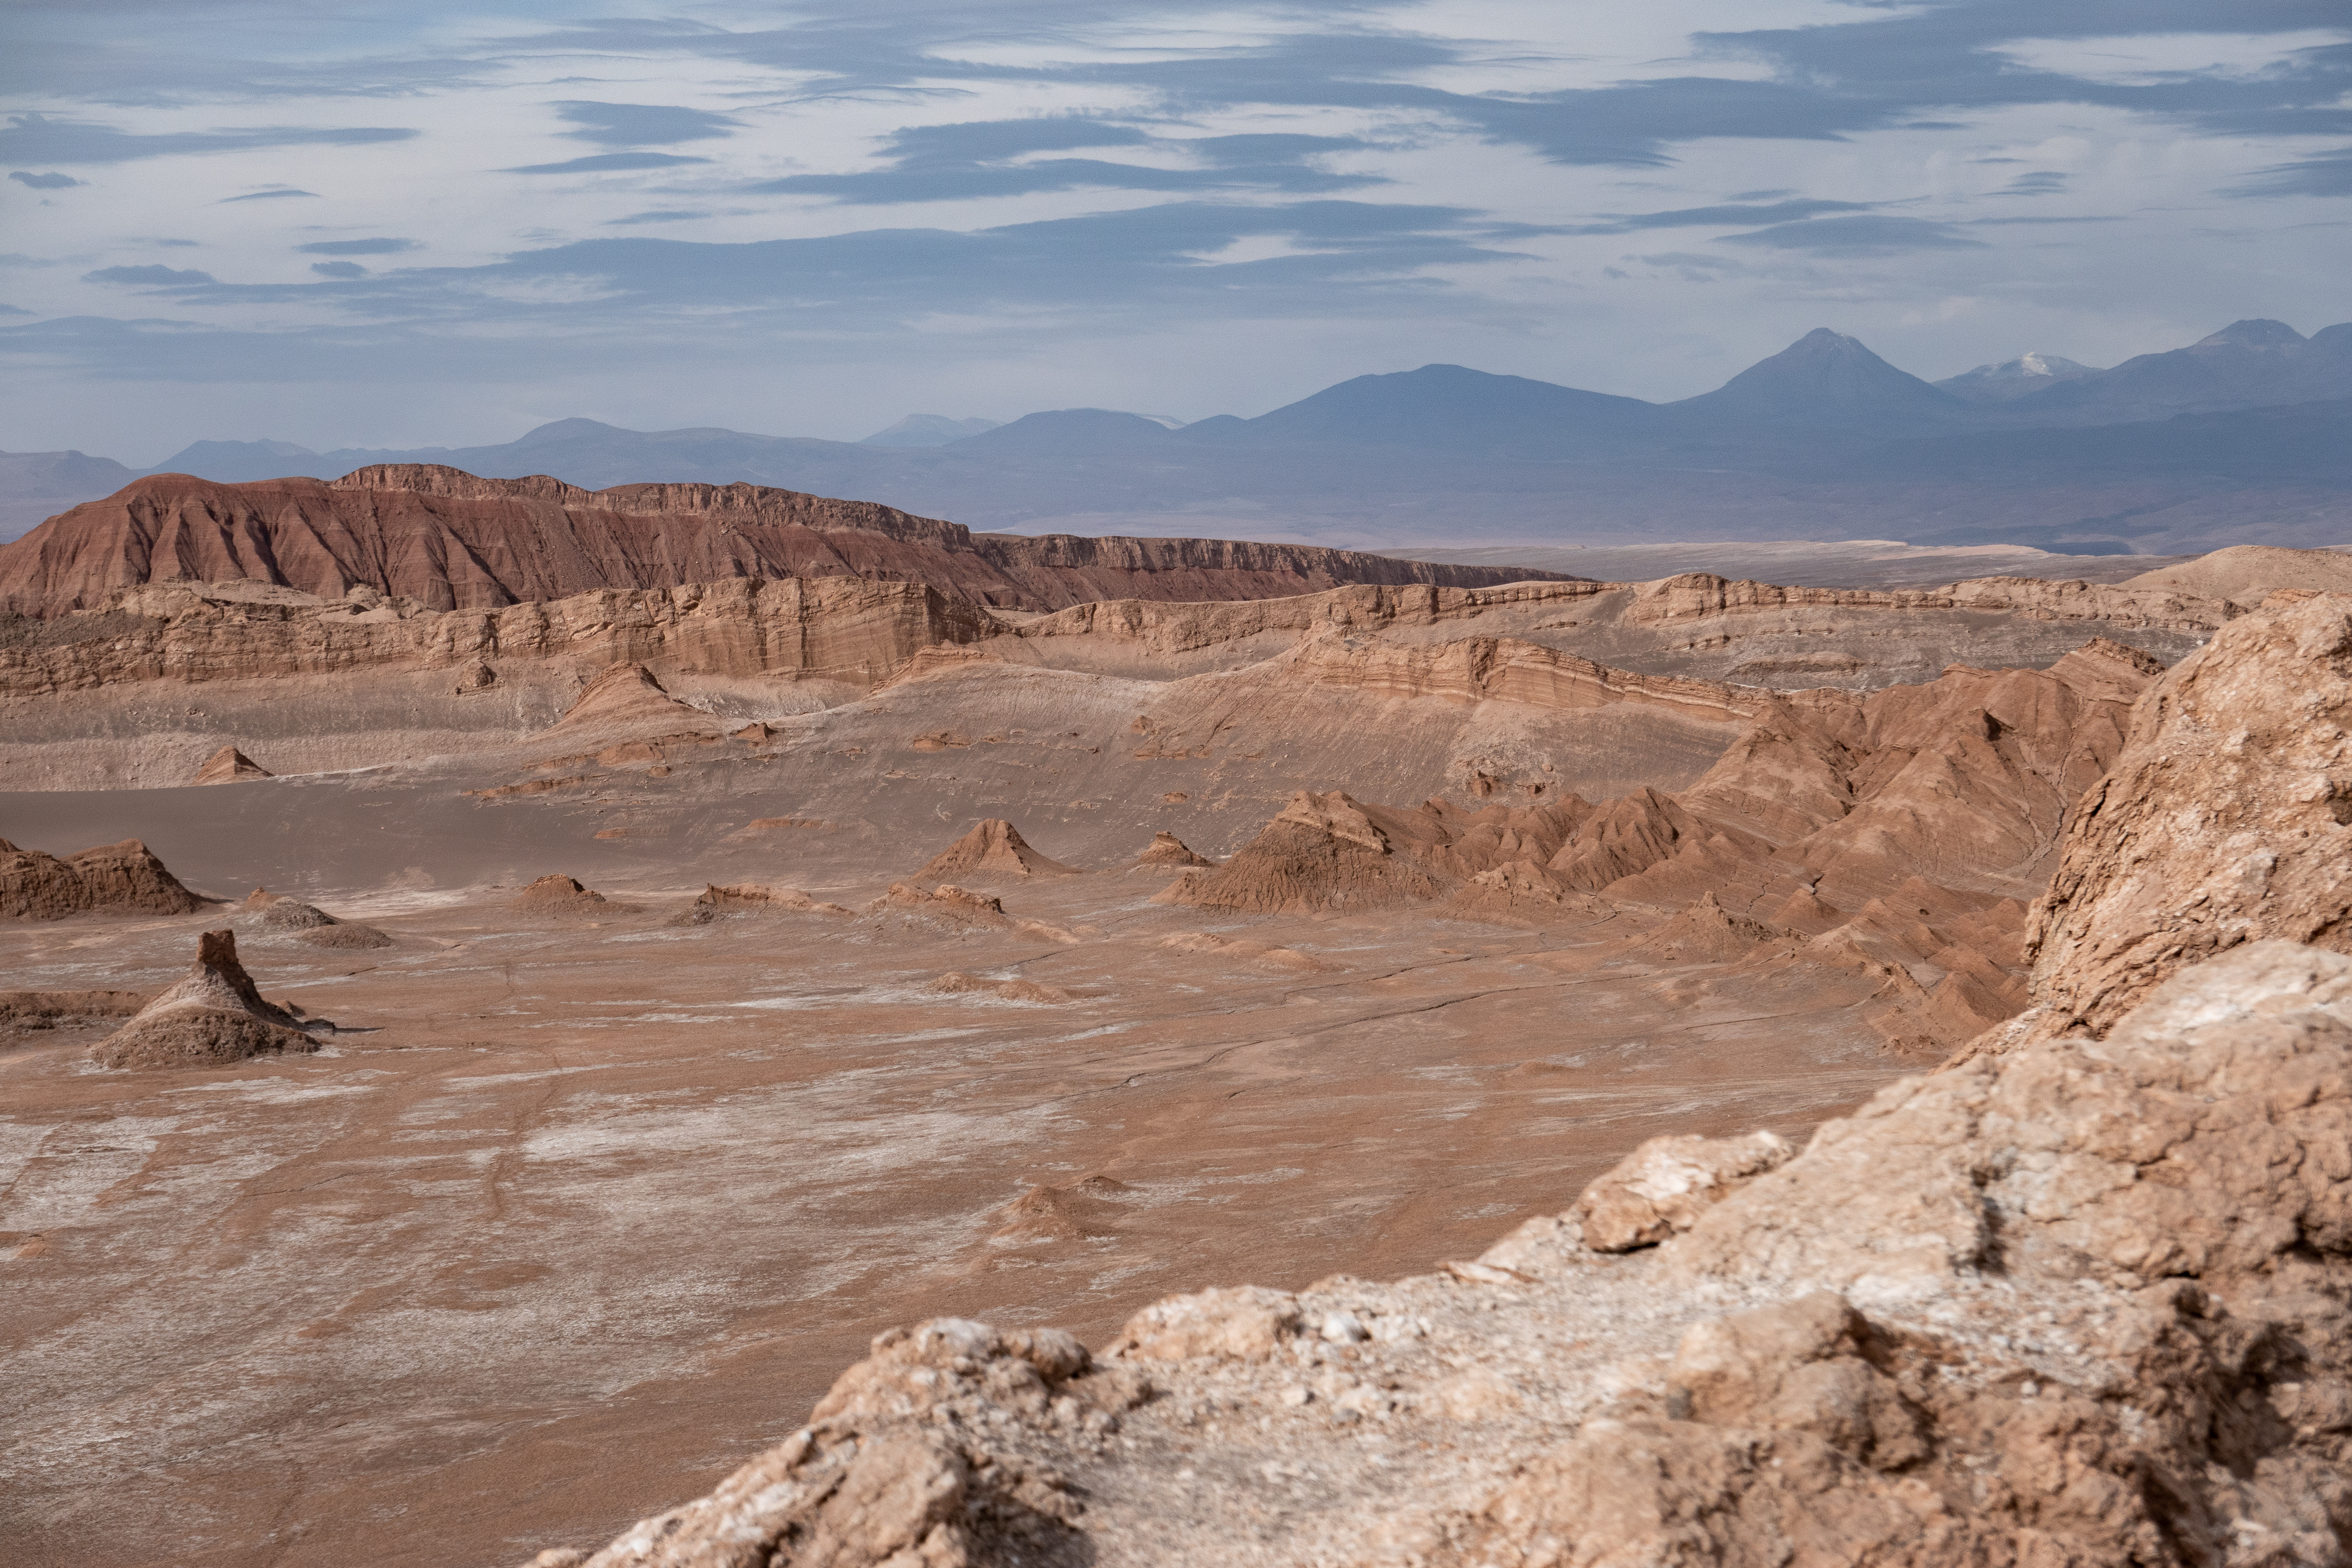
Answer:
(236, 221)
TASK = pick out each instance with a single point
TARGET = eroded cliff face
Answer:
(451, 540)
(839, 629)
(2088, 1300)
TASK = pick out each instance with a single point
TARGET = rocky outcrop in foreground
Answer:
(2237, 783)
(450, 540)
(2087, 1301)
(213, 1016)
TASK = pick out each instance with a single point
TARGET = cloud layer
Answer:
(815, 217)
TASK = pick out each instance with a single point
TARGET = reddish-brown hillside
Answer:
(456, 541)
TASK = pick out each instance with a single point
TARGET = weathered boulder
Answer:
(1665, 1185)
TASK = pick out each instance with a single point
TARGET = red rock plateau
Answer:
(451, 540)
(767, 965)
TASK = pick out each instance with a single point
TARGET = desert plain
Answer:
(689, 982)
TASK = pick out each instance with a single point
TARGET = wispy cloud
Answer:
(608, 164)
(642, 125)
(38, 138)
(45, 181)
(1876, 235)
(359, 247)
(149, 275)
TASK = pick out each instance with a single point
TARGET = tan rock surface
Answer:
(1661, 1188)
(2226, 818)
(1320, 851)
(2248, 574)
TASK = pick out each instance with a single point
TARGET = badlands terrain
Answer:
(670, 940)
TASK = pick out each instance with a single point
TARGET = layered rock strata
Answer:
(450, 540)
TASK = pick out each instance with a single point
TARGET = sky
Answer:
(343, 228)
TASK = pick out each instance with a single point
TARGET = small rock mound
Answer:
(995, 848)
(560, 895)
(315, 925)
(227, 765)
(347, 934)
(1167, 849)
(214, 1016)
(113, 878)
(292, 914)
(749, 897)
(955, 983)
(1320, 852)
(625, 695)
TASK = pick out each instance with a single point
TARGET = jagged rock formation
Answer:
(214, 1016)
(851, 631)
(2251, 728)
(992, 849)
(449, 540)
(749, 898)
(2087, 1303)
(113, 878)
(227, 765)
(1320, 852)
(1897, 836)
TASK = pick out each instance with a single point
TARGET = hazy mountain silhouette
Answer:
(1823, 441)
(1829, 380)
(926, 430)
(2014, 378)
(2246, 365)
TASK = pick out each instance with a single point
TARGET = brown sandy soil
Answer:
(579, 1215)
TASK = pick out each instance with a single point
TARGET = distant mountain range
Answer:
(2243, 438)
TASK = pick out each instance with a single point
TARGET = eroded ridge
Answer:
(2085, 1298)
